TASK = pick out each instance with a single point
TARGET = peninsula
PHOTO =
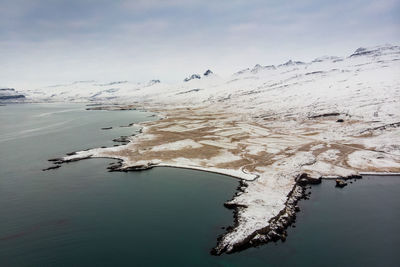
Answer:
(276, 128)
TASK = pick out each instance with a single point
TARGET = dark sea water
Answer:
(82, 215)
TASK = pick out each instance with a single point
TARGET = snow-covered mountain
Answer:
(367, 82)
(274, 127)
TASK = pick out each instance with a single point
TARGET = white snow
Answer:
(330, 155)
(224, 158)
(325, 169)
(264, 198)
(178, 145)
(366, 86)
(364, 159)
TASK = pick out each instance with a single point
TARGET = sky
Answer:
(44, 42)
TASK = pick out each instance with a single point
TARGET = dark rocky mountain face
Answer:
(376, 51)
(208, 72)
(192, 77)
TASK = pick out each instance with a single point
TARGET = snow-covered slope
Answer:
(365, 83)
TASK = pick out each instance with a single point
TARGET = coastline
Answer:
(276, 231)
(274, 223)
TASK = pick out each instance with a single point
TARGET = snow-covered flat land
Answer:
(267, 125)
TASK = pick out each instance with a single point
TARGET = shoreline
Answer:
(276, 231)
(379, 173)
(276, 225)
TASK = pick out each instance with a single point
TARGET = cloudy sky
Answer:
(52, 41)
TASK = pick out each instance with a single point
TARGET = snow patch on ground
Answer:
(178, 145)
(329, 155)
(325, 169)
(224, 157)
(370, 159)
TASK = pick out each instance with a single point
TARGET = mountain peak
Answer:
(292, 63)
(207, 73)
(192, 77)
(362, 51)
(376, 50)
(152, 82)
(258, 68)
(327, 58)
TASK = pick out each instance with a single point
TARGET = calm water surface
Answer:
(82, 215)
